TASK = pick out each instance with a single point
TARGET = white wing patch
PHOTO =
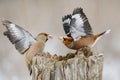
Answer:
(79, 21)
(16, 31)
(67, 21)
(77, 27)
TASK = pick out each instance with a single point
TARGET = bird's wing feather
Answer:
(66, 24)
(78, 24)
(18, 36)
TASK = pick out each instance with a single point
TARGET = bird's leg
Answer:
(80, 50)
(86, 50)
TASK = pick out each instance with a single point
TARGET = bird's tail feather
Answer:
(103, 33)
(98, 36)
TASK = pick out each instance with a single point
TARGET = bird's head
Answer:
(66, 39)
(43, 37)
(6, 22)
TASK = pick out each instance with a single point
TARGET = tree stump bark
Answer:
(77, 67)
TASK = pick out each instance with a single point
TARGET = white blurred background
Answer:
(45, 16)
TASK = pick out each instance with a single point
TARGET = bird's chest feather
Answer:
(69, 44)
(35, 49)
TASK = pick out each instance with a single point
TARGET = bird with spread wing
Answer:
(24, 42)
(78, 31)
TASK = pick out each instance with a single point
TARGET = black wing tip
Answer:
(66, 25)
(66, 17)
(77, 10)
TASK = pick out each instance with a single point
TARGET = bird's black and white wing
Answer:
(21, 38)
(66, 24)
(77, 25)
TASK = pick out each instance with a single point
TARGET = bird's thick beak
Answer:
(50, 36)
(60, 38)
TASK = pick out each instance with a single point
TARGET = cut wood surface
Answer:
(77, 67)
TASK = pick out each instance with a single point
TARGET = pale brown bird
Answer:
(78, 31)
(24, 42)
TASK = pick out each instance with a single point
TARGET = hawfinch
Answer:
(78, 31)
(24, 42)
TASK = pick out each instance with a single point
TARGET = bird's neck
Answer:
(41, 39)
(69, 44)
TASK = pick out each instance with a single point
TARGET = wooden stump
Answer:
(77, 68)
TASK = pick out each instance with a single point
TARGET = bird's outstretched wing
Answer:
(77, 25)
(21, 38)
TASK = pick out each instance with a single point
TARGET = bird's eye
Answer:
(64, 39)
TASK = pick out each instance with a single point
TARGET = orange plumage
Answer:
(86, 41)
(78, 31)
